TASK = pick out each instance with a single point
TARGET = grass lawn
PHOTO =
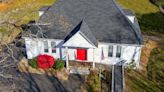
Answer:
(156, 67)
(150, 19)
(22, 10)
(18, 12)
(153, 81)
(135, 81)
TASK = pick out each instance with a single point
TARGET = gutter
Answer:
(105, 43)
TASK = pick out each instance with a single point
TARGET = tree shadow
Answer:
(31, 84)
(42, 83)
(57, 84)
(152, 23)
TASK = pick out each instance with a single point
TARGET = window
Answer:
(110, 51)
(53, 46)
(46, 46)
(118, 52)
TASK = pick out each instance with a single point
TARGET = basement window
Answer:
(46, 46)
(53, 46)
(118, 52)
(110, 51)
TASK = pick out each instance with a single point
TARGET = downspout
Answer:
(93, 58)
(67, 59)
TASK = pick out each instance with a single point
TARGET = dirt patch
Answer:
(3, 7)
(150, 42)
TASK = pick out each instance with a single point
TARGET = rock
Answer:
(41, 71)
(23, 65)
(62, 75)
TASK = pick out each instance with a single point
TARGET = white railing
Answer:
(113, 77)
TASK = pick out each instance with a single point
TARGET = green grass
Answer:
(19, 12)
(153, 81)
(137, 82)
(139, 6)
(156, 67)
(23, 11)
(150, 19)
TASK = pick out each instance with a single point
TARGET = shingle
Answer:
(105, 21)
(44, 8)
(88, 33)
(128, 12)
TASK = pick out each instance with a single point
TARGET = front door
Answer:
(81, 54)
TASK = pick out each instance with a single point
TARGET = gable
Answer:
(77, 40)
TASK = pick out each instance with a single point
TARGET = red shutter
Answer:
(81, 54)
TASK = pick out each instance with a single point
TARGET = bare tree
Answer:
(9, 51)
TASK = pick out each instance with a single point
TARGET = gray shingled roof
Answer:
(128, 12)
(88, 33)
(44, 8)
(103, 20)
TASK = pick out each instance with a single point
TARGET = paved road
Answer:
(118, 79)
(44, 83)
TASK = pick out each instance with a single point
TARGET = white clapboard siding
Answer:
(34, 47)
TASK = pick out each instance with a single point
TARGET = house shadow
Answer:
(151, 23)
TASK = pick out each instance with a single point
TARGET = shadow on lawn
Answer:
(152, 23)
(141, 83)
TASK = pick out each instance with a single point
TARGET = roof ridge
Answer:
(88, 33)
(74, 31)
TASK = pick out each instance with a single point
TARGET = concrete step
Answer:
(80, 71)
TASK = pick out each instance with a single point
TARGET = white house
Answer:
(86, 31)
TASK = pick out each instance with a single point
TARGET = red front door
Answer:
(81, 54)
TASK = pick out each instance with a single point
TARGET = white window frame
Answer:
(110, 46)
(118, 51)
(53, 47)
(45, 49)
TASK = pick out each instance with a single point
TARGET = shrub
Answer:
(33, 63)
(45, 61)
(155, 69)
(59, 64)
(93, 82)
(108, 76)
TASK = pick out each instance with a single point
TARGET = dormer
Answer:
(130, 15)
(43, 9)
